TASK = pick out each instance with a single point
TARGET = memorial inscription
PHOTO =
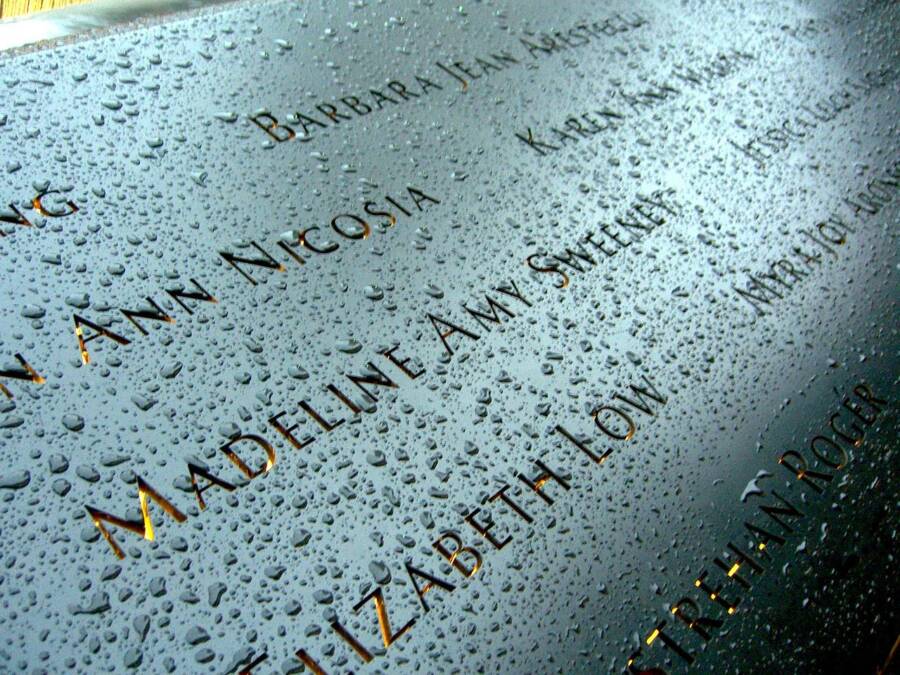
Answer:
(504, 338)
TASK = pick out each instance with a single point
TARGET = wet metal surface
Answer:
(515, 337)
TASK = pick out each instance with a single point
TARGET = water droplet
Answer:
(73, 422)
(373, 292)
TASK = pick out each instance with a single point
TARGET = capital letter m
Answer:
(142, 527)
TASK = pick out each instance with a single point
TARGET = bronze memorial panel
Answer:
(526, 337)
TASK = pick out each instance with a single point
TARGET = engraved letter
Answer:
(142, 527)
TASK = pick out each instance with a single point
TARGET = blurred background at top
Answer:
(10, 8)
